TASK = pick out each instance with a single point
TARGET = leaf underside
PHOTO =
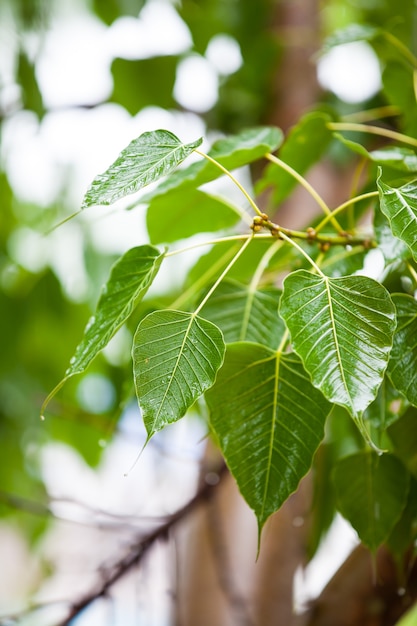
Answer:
(268, 420)
(130, 278)
(176, 356)
(371, 493)
(342, 328)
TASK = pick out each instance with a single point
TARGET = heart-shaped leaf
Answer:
(342, 328)
(400, 207)
(145, 160)
(402, 366)
(371, 492)
(268, 420)
(176, 356)
(245, 314)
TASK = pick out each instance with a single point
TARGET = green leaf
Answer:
(181, 214)
(145, 159)
(409, 618)
(371, 492)
(268, 420)
(403, 534)
(130, 278)
(246, 314)
(176, 356)
(402, 159)
(350, 34)
(400, 207)
(342, 328)
(402, 366)
(392, 248)
(231, 152)
(304, 146)
(403, 434)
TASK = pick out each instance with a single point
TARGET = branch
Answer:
(138, 551)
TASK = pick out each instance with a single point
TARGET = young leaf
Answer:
(130, 278)
(145, 160)
(400, 207)
(181, 214)
(402, 366)
(245, 314)
(176, 356)
(402, 159)
(268, 420)
(342, 328)
(231, 152)
(305, 144)
(371, 492)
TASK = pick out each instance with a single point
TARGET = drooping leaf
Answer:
(181, 214)
(386, 409)
(342, 328)
(130, 278)
(305, 144)
(403, 534)
(268, 420)
(145, 160)
(402, 366)
(400, 207)
(232, 152)
(393, 248)
(176, 356)
(371, 492)
(403, 434)
(323, 507)
(245, 314)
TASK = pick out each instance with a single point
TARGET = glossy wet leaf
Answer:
(181, 214)
(393, 248)
(145, 160)
(371, 492)
(268, 420)
(399, 205)
(176, 356)
(342, 328)
(245, 314)
(402, 367)
(307, 141)
(130, 278)
(232, 152)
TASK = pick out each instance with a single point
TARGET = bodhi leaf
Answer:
(231, 152)
(350, 34)
(130, 278)
(392, 248)
(342, 328)
(176, 356)
(400, 207)
(246, 314)
(145, 160)
(402, 159)
(181, 214)
(402, 366)
(268, 420)
(305, 144)
(371, 493)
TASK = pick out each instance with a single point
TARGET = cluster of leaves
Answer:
(329, 355)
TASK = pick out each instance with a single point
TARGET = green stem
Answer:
(412, 272)
(208, 243)
(232, 178)
(263, 263)
(303, 252)
(372, 114)
(342, 207)
(406, 53)
(313, 193)
(222, 275)
(372, 130)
